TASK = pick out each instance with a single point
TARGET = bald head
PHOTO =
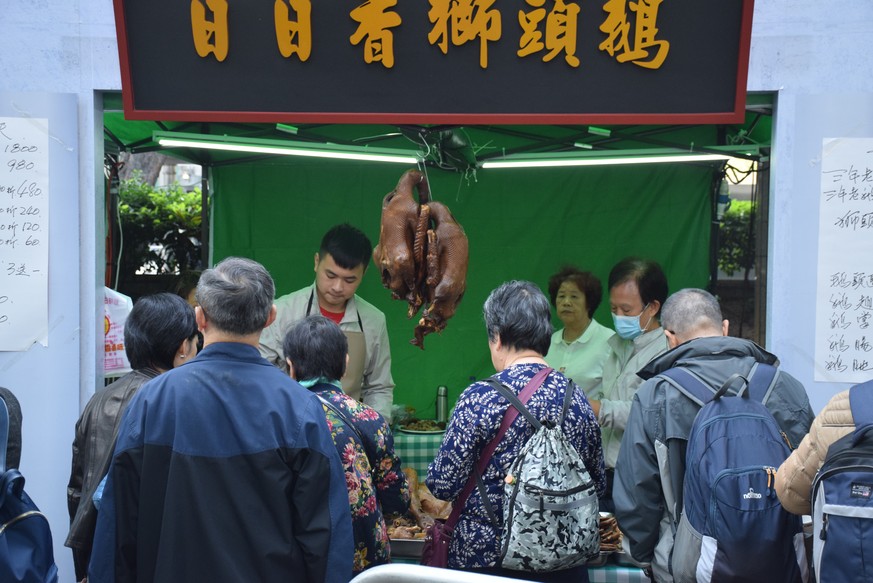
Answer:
(692, 313)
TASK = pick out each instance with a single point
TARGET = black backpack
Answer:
(26, 554)
(842, 500)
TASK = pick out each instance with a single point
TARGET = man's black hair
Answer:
(348, 246)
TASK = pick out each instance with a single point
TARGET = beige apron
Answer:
(354, 377)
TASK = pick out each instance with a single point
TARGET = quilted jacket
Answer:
(794, 477)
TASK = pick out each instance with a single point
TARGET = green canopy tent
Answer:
(521, 223)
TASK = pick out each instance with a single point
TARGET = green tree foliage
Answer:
(736, 250)
(160, 228)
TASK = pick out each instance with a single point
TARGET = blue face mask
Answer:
(628, 327)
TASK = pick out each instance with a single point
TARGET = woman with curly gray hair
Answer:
(517, 320)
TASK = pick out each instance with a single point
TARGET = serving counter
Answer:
(417, 449)
(604, 574)
(616, 574)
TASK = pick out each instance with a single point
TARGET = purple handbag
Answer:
(436, 544)
(439, 535)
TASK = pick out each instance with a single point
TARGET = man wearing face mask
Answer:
(637, 290)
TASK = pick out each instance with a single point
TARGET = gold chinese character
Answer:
(374, 23)
(439, 16)
(209, 27)
(531, 40)
(617, 27)
(469, 19)
(293, 36)
(561, 25)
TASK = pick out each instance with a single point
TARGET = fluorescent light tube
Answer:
(281, 148)
(530, 163)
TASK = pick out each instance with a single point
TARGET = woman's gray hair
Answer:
(519, 313)
(236, 295)
(691, 309)
(317, 347)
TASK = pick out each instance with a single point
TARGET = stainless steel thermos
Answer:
(442, 404)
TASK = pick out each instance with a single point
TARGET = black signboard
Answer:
(435, 61)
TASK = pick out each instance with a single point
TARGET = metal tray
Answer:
(598, 560)
(623, 558)
(407, 547)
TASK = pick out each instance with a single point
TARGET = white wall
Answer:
(47, 48)
(814, 54)
(816, 57)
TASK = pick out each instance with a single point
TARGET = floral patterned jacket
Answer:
(374, 478)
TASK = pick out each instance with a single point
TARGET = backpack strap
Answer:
(568, 400)
(762, 379)
(689, 384)
(5, 477)
(4, 433)
(485, 457)
(514, 401)
(861, 404)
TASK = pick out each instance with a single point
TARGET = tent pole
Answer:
(204, 219)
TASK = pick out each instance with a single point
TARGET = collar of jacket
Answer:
(710, 347)
(148, 372)
(233, 350)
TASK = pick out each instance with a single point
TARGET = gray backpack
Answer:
(551, 518)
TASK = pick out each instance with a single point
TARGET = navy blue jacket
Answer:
(224, 471)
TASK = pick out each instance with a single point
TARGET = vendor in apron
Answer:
(339, 269)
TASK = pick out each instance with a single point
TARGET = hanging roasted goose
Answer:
(422, 254)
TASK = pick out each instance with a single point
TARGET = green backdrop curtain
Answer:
(521, 224)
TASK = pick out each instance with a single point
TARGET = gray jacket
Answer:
(651, 463)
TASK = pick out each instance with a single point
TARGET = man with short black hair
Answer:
(650, 470)
(224, 468)
(340, 264)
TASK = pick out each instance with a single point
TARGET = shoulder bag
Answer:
(436, 543)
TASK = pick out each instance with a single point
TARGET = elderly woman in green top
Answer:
(580, 348)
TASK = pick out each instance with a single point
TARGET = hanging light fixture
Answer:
(284, 148)
(611, 157)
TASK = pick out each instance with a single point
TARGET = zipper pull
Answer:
(823, 535)
(771, 479)
(787, 441)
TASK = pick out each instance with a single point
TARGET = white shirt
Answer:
(620, 384)
(582, 359)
